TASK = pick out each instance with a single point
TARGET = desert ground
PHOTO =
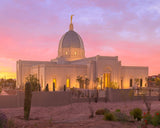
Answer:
(75, 115)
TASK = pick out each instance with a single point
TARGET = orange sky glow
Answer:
(31, 30)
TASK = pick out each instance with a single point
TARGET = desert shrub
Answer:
(50, 121)
(109, 116)
(117, 110)
(136, 113)
(35, 125)
(10, 123)
(3, 120)
(156, 119)
(119, 116)
(102, 111)
(107, 110)
(147, 118)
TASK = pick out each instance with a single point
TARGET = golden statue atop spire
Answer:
(71, 18)
(71, 25)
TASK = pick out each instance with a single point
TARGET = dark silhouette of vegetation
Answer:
(35, 86)
(86, 81)
(8, 83)
(32, 84)
(27, 100)
(97, 81)
(83, 82)
(46, 88)
(136, 81)
(136, 113)
(80, 81)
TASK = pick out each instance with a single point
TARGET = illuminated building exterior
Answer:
(71, 62)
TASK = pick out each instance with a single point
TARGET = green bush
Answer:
(102, 111)
(156, 119)
(147, 118)
(109, 116)
(117, 110)
(119, 116)
(136, 113)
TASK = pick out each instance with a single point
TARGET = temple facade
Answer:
(71, 63)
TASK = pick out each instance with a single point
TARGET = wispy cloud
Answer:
(29, 28)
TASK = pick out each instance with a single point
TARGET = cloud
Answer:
(128, 29)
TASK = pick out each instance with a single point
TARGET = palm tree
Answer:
(147, 81)
(136, 81)
(80, 81)
(97, 81)
(86, 81)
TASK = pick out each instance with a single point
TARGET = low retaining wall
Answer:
(44, 99)
(8, 101)
(118, 95)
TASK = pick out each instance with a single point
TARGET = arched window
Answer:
(107, 79)
(131, 83)
(121, 83)
(68, 83)
(75, 53)
(141, 82)
(53, 87)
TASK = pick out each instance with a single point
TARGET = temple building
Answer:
(101, 71)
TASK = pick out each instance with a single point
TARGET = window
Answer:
(68, 83)
(130, 82)
(66, 53)
(75, 53)
(141, 82)
(53, 85)
(107, 79)
(54, 81)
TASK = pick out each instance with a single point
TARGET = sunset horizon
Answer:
(31, 30)
(79, 63)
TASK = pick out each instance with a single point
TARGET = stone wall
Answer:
(43, 99)
(122, 95)
(8, 101)
(60, 98)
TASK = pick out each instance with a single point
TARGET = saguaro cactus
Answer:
(27, 100)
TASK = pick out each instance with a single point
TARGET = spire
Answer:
(71, 25)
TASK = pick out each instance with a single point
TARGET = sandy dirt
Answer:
(75, 115)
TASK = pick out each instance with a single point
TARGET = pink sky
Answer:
(129, 29)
